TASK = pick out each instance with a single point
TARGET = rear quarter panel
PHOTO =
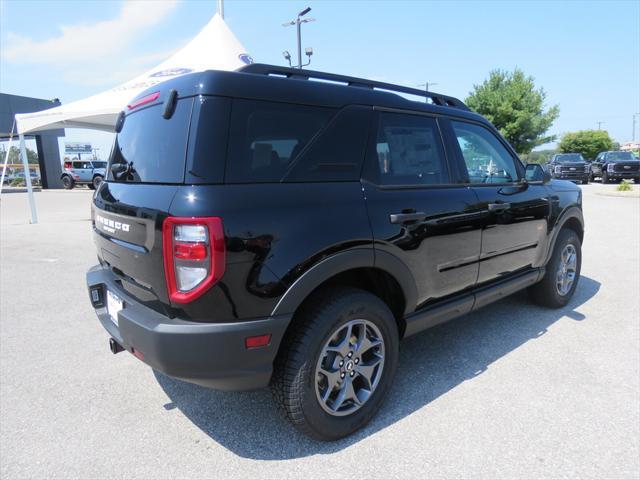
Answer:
(274, 234)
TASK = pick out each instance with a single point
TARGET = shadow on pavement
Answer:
(436, 361)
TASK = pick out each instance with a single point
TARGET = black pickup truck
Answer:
(570, 166)
(259, 228)
(611, 166)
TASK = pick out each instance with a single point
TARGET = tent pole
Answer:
(221, 8)
(6, 157)
(27, 177)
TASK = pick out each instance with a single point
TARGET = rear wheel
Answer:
(67, 182)
(337, 363)
(562, 274)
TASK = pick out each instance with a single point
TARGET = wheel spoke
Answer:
(344, 346)
(346, 393)
(366, 370)
(333, 377)
(366, 344)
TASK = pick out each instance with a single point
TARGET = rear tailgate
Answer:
(146, 168)
(127, 222)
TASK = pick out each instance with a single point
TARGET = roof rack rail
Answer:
(436, 98)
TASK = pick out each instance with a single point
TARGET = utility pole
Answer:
(221, 8)
(633, 135)
(426, 87)
(599, 123)
(298, 23)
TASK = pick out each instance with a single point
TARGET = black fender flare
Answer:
(572, 212)
(341, 262)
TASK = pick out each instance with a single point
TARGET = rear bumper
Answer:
(208, 354)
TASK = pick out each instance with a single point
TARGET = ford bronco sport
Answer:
(262, 227)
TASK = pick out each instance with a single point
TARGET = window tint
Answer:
(408, 151)
(265, 138)
(208, 140)
(78, 165)
(487, 160)
(337, 154)
(150, 148)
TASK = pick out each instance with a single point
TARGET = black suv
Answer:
(612, 166)
(263, 227)
(570, 166)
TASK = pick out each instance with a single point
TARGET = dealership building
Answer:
(46, 141)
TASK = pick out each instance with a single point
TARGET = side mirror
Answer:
(536, 173)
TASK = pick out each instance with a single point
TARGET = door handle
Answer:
(407, 217)
(498, 207)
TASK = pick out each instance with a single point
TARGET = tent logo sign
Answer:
(245, 58)
(171, 72)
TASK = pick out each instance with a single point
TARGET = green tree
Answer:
(587, 142)
(513, 104)
(538, 156)
(14, 155)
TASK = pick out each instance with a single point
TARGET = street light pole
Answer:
(298, 23)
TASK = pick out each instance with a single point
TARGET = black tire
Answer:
(294, 380)
(545, 292)
(585, 182)
(97, 180)
(605, 177)
(67, 182)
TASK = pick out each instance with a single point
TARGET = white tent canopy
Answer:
(214, 48)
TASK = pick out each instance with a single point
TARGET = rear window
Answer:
(265, 138)
(150, 148)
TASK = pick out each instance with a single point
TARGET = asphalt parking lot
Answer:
(511, 391)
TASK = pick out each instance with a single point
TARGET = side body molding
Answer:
(341, 262)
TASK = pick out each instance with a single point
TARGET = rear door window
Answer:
(150, 148)
(265, 138)
(408, 151)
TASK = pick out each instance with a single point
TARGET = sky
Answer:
(586, 55)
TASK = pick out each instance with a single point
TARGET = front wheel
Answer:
(605, 177)
(336, 363)
(562, 272)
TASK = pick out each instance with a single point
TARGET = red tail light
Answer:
(152, 97)
(194, 256)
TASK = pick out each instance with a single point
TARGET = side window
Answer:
(487, 160)
(266, 137)
(408, 151)
(336, 154)
(77, 165)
